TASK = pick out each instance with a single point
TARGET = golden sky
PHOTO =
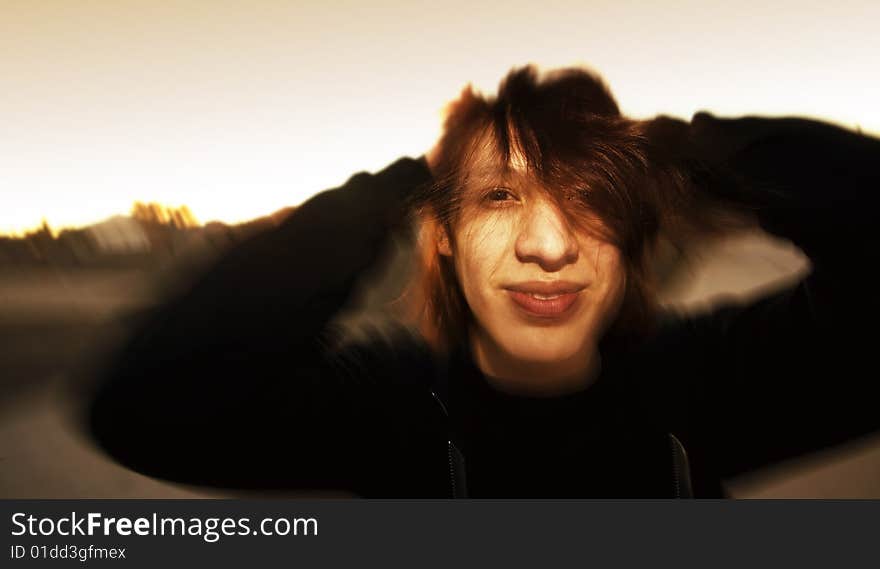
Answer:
(239, 108)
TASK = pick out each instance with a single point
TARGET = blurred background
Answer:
(140, 139)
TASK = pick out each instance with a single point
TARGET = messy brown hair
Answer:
(592, 161)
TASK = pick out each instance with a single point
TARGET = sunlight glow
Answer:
(239, 109)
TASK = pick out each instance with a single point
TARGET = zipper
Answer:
(681, 471)
(453, 486)
(457, 481)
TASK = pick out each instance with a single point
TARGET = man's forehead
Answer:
(486, 163)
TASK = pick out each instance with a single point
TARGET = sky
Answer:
(237, 109)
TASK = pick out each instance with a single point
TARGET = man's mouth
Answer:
(545, 296)
(547, 300)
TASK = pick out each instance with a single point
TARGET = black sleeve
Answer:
(233, 383)
(794, 371)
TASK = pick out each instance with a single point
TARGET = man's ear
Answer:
(443, 245)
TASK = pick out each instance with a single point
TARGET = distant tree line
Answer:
(154, 213)
(151, 234)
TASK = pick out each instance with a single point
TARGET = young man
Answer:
(543, 367)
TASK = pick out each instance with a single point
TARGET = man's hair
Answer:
(601, 169)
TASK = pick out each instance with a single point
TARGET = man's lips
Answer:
(545, 299)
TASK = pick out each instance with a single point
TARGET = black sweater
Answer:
(237, 383)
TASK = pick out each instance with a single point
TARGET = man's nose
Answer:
(546, 238)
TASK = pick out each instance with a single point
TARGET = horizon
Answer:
(166, 217)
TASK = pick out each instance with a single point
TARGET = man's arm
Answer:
(232, 383)
(791, 373)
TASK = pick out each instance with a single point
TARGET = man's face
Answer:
(542, 292)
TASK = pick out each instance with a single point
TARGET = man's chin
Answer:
(541, 355)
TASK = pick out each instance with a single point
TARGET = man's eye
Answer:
(500, 195)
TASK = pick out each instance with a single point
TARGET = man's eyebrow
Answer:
(487, 181)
